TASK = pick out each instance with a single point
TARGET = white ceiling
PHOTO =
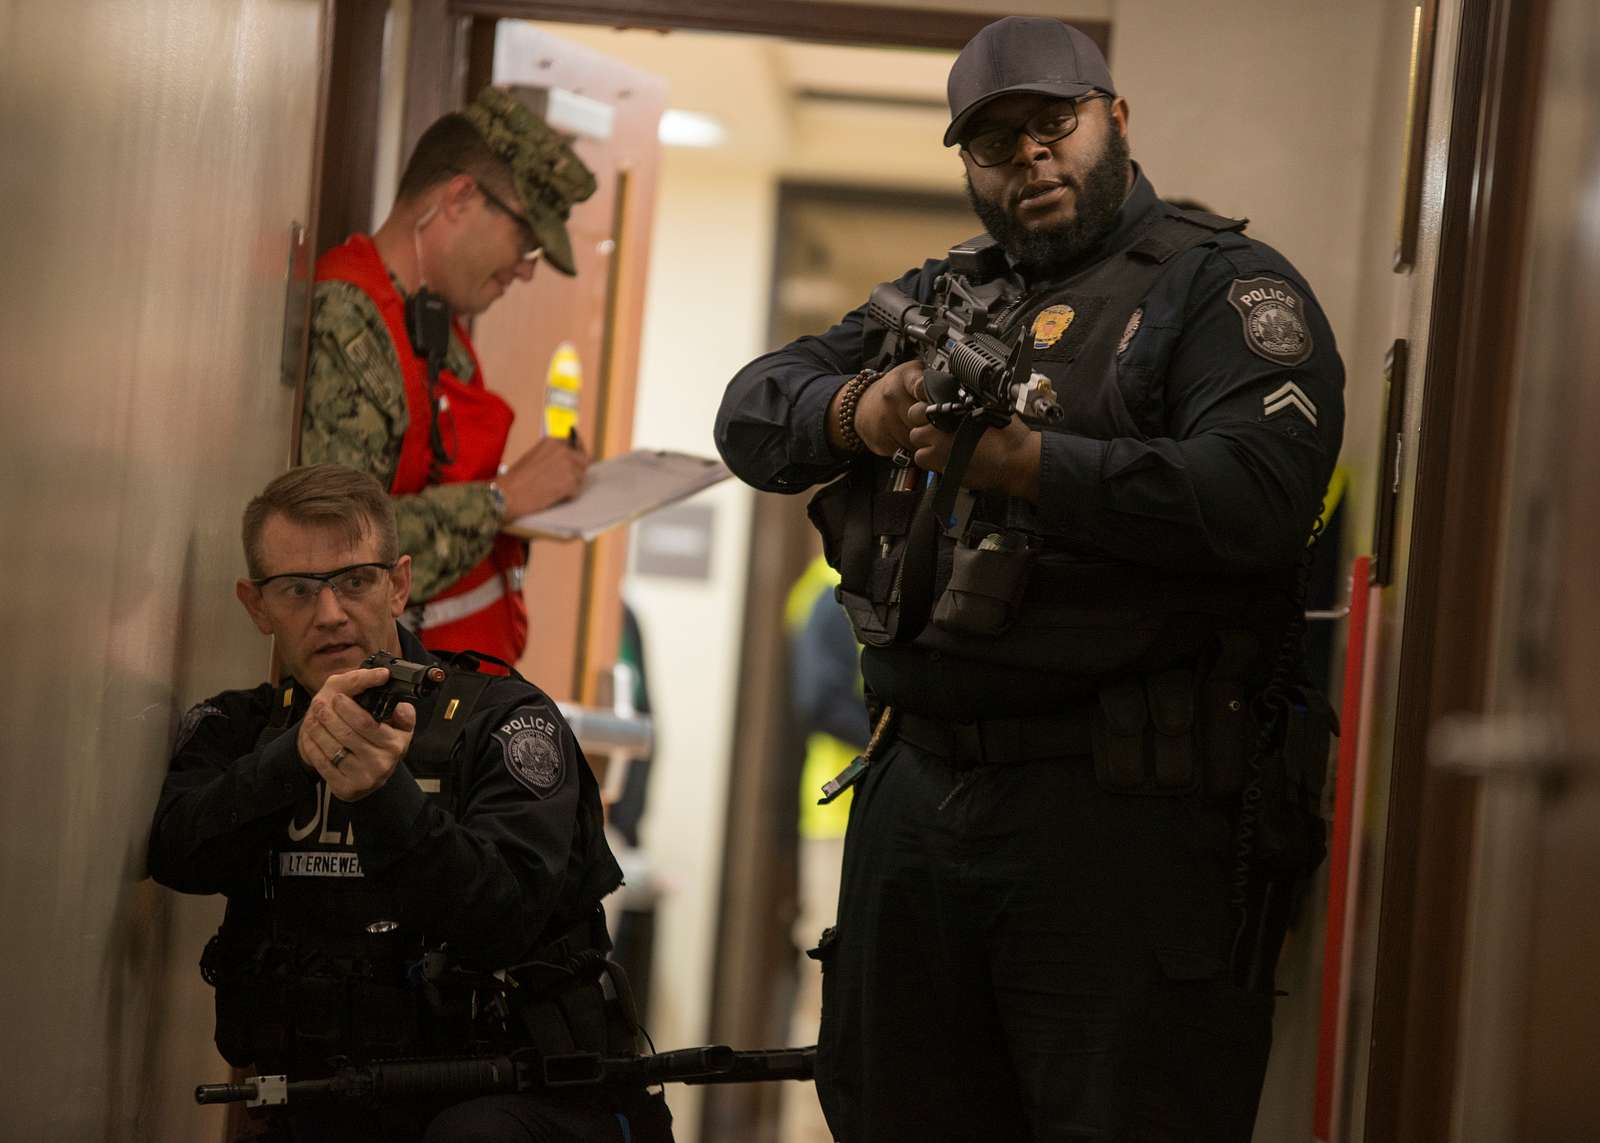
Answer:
(881, 72)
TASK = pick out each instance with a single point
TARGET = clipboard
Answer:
(620, 489)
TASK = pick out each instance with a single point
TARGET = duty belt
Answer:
(1001, 741)
(438, 612)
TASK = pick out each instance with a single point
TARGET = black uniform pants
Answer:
(1021, 955)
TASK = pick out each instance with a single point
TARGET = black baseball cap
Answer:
(1023, 53)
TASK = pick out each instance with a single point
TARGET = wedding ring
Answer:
(338, 757)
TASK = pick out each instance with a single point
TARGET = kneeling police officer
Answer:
(428, 885)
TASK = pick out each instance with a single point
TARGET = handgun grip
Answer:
(379, 702)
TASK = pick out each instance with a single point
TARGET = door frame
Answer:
(442, 30)
(1453, 564)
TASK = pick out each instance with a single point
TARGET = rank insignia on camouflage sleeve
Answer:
(1050, 324)
(1274, 319)
(364, 352)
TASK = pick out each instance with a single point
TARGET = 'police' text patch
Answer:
(1274, 317)
(532, 753)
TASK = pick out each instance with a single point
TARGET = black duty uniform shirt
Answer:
(525, 860)
(1236, 436)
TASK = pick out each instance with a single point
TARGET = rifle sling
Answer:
(920, 560)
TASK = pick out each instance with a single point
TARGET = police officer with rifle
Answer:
(1070, 475)
(411, 850)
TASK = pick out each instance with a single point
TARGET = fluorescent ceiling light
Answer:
(568, 112)
(690, 129)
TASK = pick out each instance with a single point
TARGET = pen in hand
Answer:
(545, 475)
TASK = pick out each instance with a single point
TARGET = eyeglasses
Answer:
(530, 243)
(1050, 124)
(298, 590)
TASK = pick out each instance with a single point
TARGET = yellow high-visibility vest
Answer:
(825, 754)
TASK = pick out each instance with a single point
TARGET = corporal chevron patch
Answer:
(1286, 397)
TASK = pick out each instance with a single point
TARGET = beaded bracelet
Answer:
(851, 397)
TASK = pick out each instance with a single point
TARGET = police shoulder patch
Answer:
(1273, 313)
(192, 719)
(528, 743)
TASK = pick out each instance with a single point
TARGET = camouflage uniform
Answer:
(355, 409)
(355, 415)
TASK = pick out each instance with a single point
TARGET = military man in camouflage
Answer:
(395, 388)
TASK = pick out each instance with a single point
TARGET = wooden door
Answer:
(586, 327)
(1530, 1003)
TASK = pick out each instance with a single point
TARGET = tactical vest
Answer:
(322, 964)
(484, 610)
(1022, 605)
(315, 879)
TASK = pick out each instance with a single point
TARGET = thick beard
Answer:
(1099, 201)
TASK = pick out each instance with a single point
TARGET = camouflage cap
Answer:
(548, 176)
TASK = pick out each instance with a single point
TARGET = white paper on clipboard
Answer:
(620, 489)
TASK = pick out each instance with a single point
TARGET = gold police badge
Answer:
(1050, 324)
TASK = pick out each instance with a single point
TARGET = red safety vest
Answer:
(474, 424)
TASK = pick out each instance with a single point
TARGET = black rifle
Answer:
(408, 682)
(466, 1077)
(974, 381)
(968, 372)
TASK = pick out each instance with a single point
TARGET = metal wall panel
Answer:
(155, 154)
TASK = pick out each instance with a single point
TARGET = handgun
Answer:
(408, 682)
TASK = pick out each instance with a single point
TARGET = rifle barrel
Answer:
(224, 1092)
(761, 1065)
(468, 1076)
